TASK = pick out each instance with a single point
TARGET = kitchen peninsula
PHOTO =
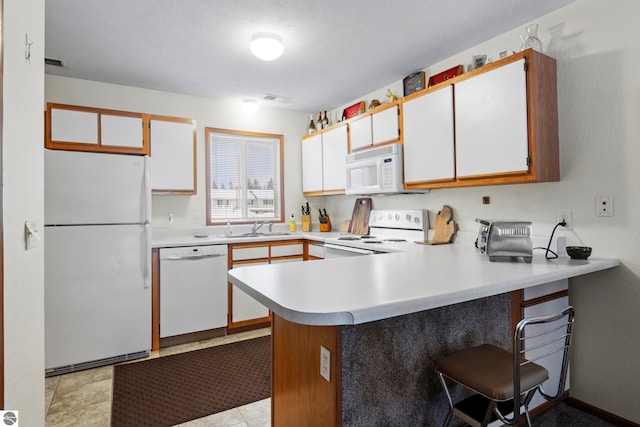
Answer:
(383, 320)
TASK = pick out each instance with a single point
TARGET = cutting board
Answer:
(444, 227)
(360, 217)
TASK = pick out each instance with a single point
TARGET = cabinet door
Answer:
(551, 362)
(121, 131)
(74, 126)
(172, 156)
(384, 125)
(360, 133)
(428, 137)
(491, 122)
(245, 307)
(312, 163)
(334, 150)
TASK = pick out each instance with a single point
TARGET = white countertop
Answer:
(355, 290)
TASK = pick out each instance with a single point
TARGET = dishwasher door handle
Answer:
(190, 257)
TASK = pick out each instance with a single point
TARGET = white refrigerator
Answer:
(97, 259)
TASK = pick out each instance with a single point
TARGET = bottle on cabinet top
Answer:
(312, 125)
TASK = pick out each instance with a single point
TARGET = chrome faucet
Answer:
(257, 226)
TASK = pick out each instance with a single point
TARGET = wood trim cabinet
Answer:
(505, 117)
(173, 154)
(169, 141)
(380, 125)
(76, 128)
(323, 154)
(245, 312)
(429, 144)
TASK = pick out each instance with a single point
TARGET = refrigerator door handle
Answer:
(147, 255)
(147, 191)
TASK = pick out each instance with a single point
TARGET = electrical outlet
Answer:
(566, 216)
(604, 206)
(325, 363)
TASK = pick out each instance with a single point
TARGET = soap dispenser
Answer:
(292, 223)
(227, 229)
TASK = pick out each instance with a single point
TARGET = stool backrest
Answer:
(540, 337)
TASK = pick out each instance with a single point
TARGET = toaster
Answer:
(505, 239)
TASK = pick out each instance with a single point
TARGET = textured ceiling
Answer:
(335, 50)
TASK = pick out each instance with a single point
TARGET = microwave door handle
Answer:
(380, 167)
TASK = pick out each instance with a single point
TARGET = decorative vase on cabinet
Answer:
(531, 39)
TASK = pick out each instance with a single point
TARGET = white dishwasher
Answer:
(193, 289)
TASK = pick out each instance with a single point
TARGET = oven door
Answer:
(337, 251)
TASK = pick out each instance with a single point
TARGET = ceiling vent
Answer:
(53, 61)
(276, 98)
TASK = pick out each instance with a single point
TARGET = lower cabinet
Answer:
(315, 250)
(537, 301)
(244, 311)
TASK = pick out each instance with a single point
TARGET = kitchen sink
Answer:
(275, 233)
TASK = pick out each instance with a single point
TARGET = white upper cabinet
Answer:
(360, 133)
(428, 137)
(334, 150)
(491, 122)
(378, 127)
(384, 125)
(323, 154)
(121, 131)
(173, 155)
(74, 126)
(312, 163)
(71, 127)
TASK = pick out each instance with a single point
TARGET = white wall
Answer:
(22, 168)
(595, 43)
(190, 211)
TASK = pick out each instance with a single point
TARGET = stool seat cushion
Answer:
(488, 370)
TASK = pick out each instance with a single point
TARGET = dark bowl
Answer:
(579, 252)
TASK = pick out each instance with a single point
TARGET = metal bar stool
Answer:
(496, 375)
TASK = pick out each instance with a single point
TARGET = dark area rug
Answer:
(182, 387)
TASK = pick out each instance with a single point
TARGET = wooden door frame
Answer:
(1, 226)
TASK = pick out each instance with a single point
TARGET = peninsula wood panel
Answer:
(300, 396)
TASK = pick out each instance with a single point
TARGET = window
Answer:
(244, 176)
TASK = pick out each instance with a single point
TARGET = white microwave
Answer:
(375, 171)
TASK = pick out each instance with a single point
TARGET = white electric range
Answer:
(388, 231)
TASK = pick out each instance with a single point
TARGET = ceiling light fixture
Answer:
(266, 46)
(250, 105)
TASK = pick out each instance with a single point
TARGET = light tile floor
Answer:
(84, 398)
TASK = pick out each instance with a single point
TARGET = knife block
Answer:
(306, 223)
(326, 226)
